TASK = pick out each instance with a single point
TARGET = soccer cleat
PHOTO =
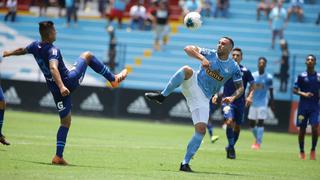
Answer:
(119, 78)
(231, 153)
(59, 161)
(3, 140)
(214, 139)
(255, 146)
(155, 97)
(185, 167)
(302, 156)
(313, 155)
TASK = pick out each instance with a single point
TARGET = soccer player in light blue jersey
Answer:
(61, 81)
(307, 86)
(2, 108)
(259, 108)
(199, 86)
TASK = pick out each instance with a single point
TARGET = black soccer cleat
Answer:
(155, 97)
(185, 168)
(231, 153)
(3, 140)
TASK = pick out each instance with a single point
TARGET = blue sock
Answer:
(193, 146)
(230, 137)
(210, 129)
(301, 146)
(236, 136)
(175, 81)
(100, 68)
(254, 132)
(259, 134)
(314, 141)
(1, 120)
(61, 140)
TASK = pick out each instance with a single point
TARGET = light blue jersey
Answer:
(262, 83)
(220, 71)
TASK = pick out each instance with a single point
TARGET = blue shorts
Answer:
(234, 112)
(1, 94)
(306, 116)
(75, 77)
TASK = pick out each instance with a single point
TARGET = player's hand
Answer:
(307, 94)
(248, 102)
(228, 100)
(205, 63)
(64, 91)
(214, 99)
(6, 54)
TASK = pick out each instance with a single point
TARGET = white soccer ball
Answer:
(192, 20)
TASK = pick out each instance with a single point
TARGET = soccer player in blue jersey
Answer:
(234, 112)
(307, 86)
(61, 81)
(2, 108)
(259, 107)
(199, 86)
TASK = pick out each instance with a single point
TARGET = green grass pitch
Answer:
(101, 148)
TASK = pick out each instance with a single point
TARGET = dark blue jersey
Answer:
(309, 83)
(44, 53)
(229, 87)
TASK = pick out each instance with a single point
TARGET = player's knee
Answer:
(2, 105)
(66, 121)
(188, 72)
(201, 128)
(229, 123)
(237, 128)
(314, 128)
(86, 55)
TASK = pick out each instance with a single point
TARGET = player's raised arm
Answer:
(53, 64)
(194, 51)
(17, 52)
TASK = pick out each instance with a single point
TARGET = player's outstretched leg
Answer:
(102, 69)
(175, 81)
(314, 142)
(61, 140)
(2, 108)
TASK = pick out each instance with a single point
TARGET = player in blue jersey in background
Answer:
(61, 81)
(2, 108)
(234, 112)
(307, 86)
(199, 86)
(259, 107)
(213, 108)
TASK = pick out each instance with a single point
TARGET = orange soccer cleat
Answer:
(255, 146)
(59, 161)
(313, 155)
(302, 156)
(119, 78)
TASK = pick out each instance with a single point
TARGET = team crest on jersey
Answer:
(300, 118)
(214, 74)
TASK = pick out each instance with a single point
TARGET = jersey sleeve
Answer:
(270, 81)
(237, 75)
(297, 82)
(53, 54)
(249, 77)
(30, 48)
(205, 51)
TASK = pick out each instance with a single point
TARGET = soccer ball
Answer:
(192, 20)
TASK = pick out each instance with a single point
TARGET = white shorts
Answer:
(256, 113)
(197, 101)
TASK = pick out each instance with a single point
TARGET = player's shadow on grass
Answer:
(213, 173)
(49, 164)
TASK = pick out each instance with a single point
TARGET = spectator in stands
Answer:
(43, 6)
(221, 6)
(138, 15)
(62, 5)
(151, 10)
(283, 75)
(72, 8)
(117, 11)
(112, 52)
(102, 6)
(265, 6)
(277, 20)
(161, 26)
(207, 8)
(191, 5)
(296, 6)
(12, 10)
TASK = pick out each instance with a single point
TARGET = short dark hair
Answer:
(314, 57)
(231, 41)
(237, 49)
(44, 27)
(263, 58)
